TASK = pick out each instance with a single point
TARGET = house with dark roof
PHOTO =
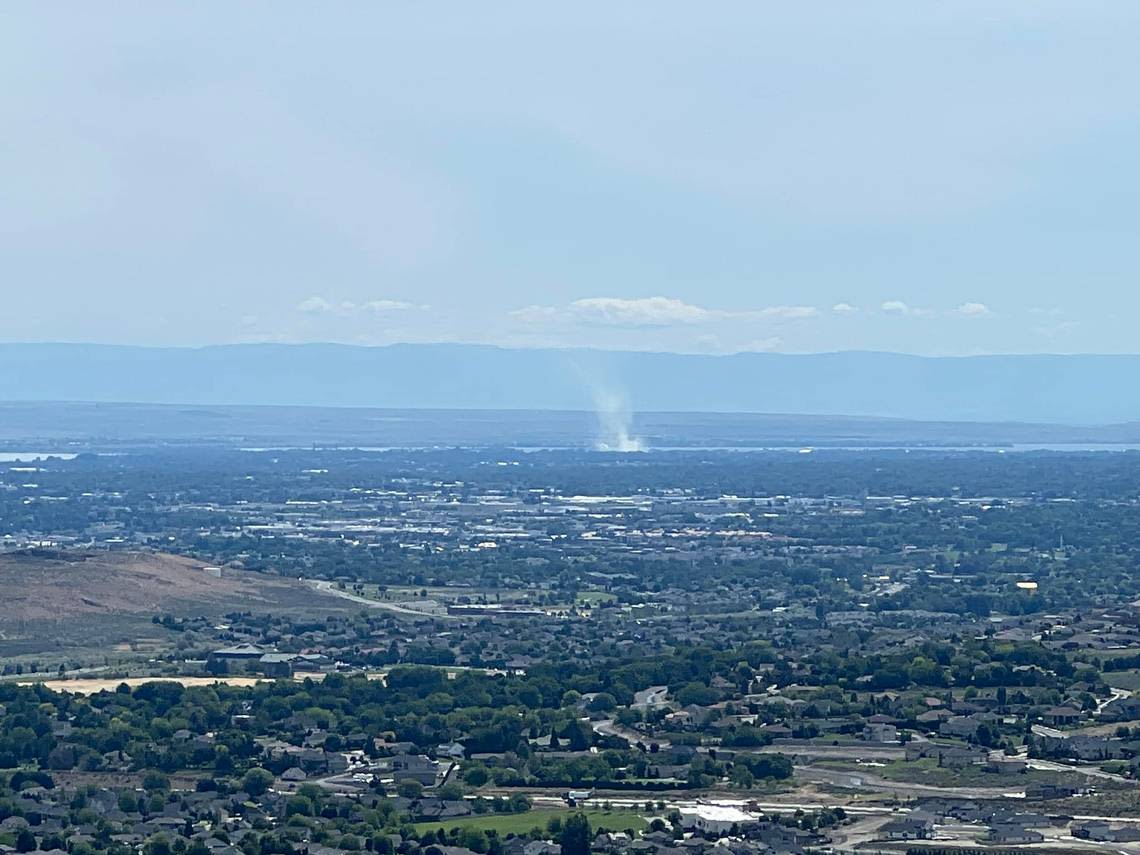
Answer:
(915, 826)
(1013, 834)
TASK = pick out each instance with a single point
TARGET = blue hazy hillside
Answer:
(1083, 389)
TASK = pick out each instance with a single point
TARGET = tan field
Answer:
(93, 686)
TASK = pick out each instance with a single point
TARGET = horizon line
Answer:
(559, 349)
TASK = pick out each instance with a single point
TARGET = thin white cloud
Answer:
(761, 345)
(843, 309)
(316, 305)
(715, 344)
(790, 313)
(644, 312)
(972, 310)
(534, 314)
(652, 312)
(382, 306)
(898, 307)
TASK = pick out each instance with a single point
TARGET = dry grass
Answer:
(69, 585)
(75, 599)
(93, 686)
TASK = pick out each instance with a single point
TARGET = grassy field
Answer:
(521, 823)
(926, 771)
(1128, 680)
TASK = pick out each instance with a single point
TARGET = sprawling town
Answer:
(536, 652)
(639, 428)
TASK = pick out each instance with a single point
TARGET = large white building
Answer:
(716, 819)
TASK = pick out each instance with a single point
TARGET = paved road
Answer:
(1115, 695)
(329, 588)
(609, 727)
(654, 696)
(1089, 771)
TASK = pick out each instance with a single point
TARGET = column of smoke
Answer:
(615, 423)
(615, 420)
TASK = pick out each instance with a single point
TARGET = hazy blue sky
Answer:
(928, 177)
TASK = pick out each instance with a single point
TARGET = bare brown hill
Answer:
(67, 597)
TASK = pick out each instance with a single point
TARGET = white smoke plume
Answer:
(615, 423)
(611, 404)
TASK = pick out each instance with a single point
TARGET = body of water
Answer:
(33, 456)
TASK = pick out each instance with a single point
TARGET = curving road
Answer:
(329, 588)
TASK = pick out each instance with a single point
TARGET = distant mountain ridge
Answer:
(1049, 389)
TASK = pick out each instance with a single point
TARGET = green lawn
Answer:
(521, 823)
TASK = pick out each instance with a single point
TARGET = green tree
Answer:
(256, 782)
(741, 776)
(576, 837)
(476, 776)
(155, 781)
(473, 839)
(299, 806)
(410, 789)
